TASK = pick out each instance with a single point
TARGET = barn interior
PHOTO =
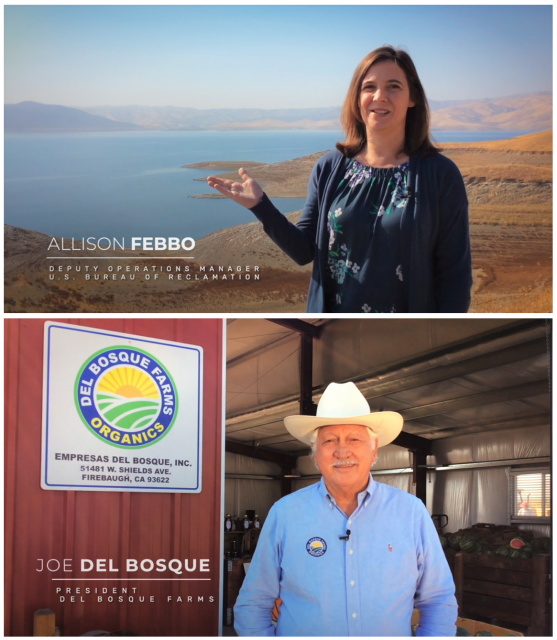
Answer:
(476, 441)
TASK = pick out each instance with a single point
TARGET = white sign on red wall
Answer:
(120, 412)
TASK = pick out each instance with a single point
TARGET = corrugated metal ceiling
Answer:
(447, 377)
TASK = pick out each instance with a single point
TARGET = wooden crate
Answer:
(509, 589)
(474, 626)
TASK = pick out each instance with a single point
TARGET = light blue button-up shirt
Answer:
(367, 585)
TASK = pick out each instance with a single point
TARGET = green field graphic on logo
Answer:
(124, 413)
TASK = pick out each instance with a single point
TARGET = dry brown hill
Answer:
(288, 179)
(531, 143)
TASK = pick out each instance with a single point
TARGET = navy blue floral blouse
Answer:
(364, 266)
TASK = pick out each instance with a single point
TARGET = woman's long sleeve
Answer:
(453, 260)
(296, 240)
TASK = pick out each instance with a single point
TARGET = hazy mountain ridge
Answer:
(517, 112)
(188, 119)
(528, 112)
(35, 116)
(525, 111)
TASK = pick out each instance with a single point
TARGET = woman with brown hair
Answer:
(386, 217)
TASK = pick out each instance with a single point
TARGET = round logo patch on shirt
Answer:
(316, 547)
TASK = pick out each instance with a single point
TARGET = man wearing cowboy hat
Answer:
(348, 556)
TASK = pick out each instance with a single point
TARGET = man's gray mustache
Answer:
(345, 463)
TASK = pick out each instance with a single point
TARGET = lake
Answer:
(128, 184)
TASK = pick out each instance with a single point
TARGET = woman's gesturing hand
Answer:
(247, 193)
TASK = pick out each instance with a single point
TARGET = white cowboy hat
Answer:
(345, 404)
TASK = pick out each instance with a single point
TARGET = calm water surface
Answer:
(128, 184)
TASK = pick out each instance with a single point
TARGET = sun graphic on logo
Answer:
(128, 382)
(316, 546)
(127, 398)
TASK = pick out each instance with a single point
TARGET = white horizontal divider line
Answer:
(122, 258)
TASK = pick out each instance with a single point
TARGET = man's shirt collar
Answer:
(363, 496)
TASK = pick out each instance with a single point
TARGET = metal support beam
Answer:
(527, 390)
(513, 462)
(307, 333)
(413, 443)
(307, 406)
(549, 346)
(282, 459)
(419, 475)
(300, 326)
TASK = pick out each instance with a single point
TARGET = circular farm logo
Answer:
(316, 547)
(126, 397)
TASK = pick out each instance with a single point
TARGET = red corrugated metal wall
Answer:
(117, 525)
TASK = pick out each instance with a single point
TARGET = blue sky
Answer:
(265, 56)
